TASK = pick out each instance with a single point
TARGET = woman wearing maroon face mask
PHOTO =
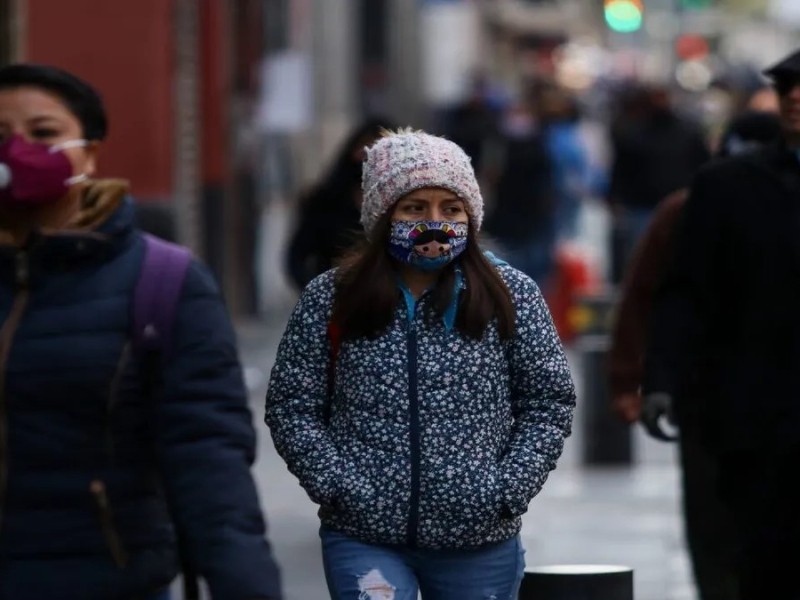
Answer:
(102, 451)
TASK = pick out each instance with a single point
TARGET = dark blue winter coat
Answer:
(88, 460)
(435, 440)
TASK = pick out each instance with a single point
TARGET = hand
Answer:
(654, 407)
(627, 406)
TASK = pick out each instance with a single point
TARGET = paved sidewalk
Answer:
(627, 515)
(624, 515)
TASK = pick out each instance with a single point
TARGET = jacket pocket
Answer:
(355, 493)
(463, 509)
(357, 504)
(106, 518)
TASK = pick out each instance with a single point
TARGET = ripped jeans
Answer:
(358, 571)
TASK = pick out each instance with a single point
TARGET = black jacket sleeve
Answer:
(207, 446)
(678, 330)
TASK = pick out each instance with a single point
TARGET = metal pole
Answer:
(187, 126)
(677, 30)
(14, 28)
(607, 441)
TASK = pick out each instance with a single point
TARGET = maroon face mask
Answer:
(33, 174)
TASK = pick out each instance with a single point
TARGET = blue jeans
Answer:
(358, 571)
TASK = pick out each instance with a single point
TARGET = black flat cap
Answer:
(786, 67)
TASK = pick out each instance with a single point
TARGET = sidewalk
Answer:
(625, 515)
(628, 515)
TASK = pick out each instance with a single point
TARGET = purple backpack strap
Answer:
(158, 290)
(155, 304)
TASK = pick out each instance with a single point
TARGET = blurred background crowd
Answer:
(240, 122)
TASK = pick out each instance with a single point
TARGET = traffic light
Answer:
(695, 4)
(624, 16)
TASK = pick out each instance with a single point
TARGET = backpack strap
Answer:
(157, 293)
(155, 305)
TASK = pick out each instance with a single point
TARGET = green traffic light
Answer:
(624, 16)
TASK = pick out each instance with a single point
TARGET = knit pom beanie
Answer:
(405, 160)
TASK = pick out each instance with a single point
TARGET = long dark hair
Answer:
(366, 290)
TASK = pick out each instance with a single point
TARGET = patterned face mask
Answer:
(427, 245)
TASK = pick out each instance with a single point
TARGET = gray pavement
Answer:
(623, 515)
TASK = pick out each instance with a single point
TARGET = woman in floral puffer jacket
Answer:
(425, 432)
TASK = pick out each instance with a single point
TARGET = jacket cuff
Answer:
(325, 488)
(624, 381)
(513, 501)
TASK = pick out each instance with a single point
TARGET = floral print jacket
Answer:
(434, 440)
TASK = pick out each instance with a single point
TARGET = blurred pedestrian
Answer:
(473, 122)
(655, 152)
(558, 117)
(710, 530)
(764, 99)
(522, 215)
(726, 334)
(105, 450)
(446, 398)
(328, 224)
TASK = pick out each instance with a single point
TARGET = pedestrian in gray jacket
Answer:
(420, 393)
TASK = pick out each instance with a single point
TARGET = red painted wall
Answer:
(125, 49)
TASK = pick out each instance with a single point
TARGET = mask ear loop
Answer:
(76, 179)
(68, 144)
(71, 144)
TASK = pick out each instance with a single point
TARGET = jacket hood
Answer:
(100, 201)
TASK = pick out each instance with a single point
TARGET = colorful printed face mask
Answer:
(427, 245)
(34, 174)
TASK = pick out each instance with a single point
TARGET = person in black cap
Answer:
(785, 72)
(725, 332)
(710, 532)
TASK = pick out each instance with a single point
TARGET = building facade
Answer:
(174, 75)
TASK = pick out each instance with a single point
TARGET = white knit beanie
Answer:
(406, 160)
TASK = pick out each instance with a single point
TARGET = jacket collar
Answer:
(459, 284)
(104, 223)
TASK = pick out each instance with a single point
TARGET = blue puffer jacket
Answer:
(87, 458)
(435, 440)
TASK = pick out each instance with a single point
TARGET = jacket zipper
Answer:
(414, 435)
(112, 401)
(106, 517)
(7, 331)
